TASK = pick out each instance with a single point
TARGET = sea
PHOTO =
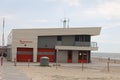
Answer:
(106, 55)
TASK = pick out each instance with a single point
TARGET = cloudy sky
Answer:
(50, 13)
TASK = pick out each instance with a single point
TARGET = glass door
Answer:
(82, 56)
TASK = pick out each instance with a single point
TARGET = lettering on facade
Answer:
(25, 41)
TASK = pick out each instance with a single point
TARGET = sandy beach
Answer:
(72, 71)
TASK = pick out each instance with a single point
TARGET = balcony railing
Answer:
(81, 44)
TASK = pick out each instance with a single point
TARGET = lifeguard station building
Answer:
(68, 45)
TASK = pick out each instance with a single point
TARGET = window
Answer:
(77, 38)
(87, 38)
(85, 55)
(80, 56)
(59, 38)
(82, 38)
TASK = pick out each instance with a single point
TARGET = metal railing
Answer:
(81, 44)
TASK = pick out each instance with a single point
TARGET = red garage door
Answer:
(24, 54)
(48, 52)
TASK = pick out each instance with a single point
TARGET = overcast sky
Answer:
(50, 13)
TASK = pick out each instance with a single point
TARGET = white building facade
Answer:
(59, 44)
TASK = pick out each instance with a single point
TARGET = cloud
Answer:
(109, 10)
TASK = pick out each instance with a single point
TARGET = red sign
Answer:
(25, 41)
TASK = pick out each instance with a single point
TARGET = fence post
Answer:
(108, 65)
(28, 62)
(82, 65)
(14, 61)
(56, 59)
(2, 61)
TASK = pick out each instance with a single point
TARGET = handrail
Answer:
(81, 44)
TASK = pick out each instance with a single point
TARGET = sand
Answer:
(72, 71)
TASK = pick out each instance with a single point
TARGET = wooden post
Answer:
(1, 60)
(56, 59)
(108, 66)
(87, 55)
(15, 62)
(28, 62)
(82, 59)
(82, 65)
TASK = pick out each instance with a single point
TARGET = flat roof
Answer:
(93, 31)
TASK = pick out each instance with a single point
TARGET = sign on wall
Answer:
(25, 41)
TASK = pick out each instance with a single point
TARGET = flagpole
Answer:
(2, 42)
(3, 32)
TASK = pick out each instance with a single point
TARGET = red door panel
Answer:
(48, 52)
(24, 57)
(24, 54)
(69, 60)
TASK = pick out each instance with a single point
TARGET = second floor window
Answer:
(82, 38)
(59, 38)
(77, 38)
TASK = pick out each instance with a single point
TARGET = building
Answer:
(72, 45)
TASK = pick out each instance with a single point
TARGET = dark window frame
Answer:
(77, 38)
(59, 38)
(82, 38)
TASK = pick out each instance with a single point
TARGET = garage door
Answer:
(24, 54)
(48, 52)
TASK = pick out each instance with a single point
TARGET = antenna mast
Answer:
(65, 23)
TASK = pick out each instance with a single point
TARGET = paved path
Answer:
(9, 72)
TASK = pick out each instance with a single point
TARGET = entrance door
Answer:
(83, 56)
(69, 57)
